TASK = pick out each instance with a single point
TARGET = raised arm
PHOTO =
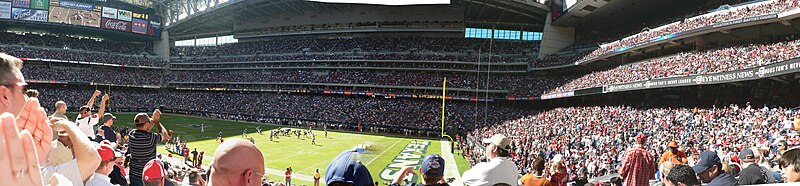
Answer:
(85, 154)
(157, 120)
(102, 109)
(91, 100)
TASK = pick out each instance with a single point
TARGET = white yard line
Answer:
(384, 151)
(450, 166)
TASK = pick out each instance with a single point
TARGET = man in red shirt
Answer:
(638, 166)
(289, 176)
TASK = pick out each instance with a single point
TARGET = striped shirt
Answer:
(142, 147)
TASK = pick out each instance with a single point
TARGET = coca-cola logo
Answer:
(116, 25)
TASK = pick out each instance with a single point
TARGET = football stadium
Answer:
(399, 92)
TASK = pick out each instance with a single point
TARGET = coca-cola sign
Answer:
(114, 24)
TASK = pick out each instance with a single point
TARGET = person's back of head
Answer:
(682, 174)
(538, 166)
(237, 162)
(194, 177)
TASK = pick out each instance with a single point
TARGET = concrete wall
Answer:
(360, 13)
(554, 38)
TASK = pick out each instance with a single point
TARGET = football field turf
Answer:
(383, 157)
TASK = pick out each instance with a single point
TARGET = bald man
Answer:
(236, 162)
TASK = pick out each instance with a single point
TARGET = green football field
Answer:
(385, 154)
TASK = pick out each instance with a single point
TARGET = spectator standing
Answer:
(142, 143)
(109, 133)
(86, 120)
(674, 155)
(638, 166)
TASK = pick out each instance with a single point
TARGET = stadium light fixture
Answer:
(387, 2)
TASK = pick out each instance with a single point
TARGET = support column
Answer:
(161, 47)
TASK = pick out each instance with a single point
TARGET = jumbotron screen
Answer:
(81, 14)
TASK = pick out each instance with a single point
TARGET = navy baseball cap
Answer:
(347, 168)
(706, 160)
(433, 166)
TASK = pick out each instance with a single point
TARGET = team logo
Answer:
(761, 72)
(698, 80)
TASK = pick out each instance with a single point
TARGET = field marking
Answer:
(373, 141)
(387, 149)
(450, 166)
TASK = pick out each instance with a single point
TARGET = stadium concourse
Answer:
(490, 93)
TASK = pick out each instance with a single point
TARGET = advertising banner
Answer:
(110, 13)
(40, 4)
(118, 25)
(124, 15)
(139, 26)
(74, 16)
(29, 15)
(5, 10)
(21, 3)
(155, 26)
(791, 66)
(140, 16)
(76, 5)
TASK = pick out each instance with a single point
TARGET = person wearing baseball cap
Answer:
(432, 171)
(498, 170)
(708, 167)
(638, 166)
(142, 143)
(86, 120)
(347, 170)
(674, 155)
(108, 133)
(154, 173)
(107, 158)
(752, 174)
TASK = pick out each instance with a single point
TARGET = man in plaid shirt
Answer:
(638, 166)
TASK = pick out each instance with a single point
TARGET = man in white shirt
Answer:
(86, 120)
(100, 175)
(499, 170)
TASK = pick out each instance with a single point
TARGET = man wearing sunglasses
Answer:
(86, 120)
(12, 85)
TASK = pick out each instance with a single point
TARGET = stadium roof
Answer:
(221, 16)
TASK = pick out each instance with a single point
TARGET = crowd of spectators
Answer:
(68, 42)
(82, 56)
(724, 58)
(589, 141)
(372, 44)
(739, 12)
(389, 56)
(122, 76)
(292, 108)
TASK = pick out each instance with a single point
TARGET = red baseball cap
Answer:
(106, 152)
(641, 138)
(153, 171)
